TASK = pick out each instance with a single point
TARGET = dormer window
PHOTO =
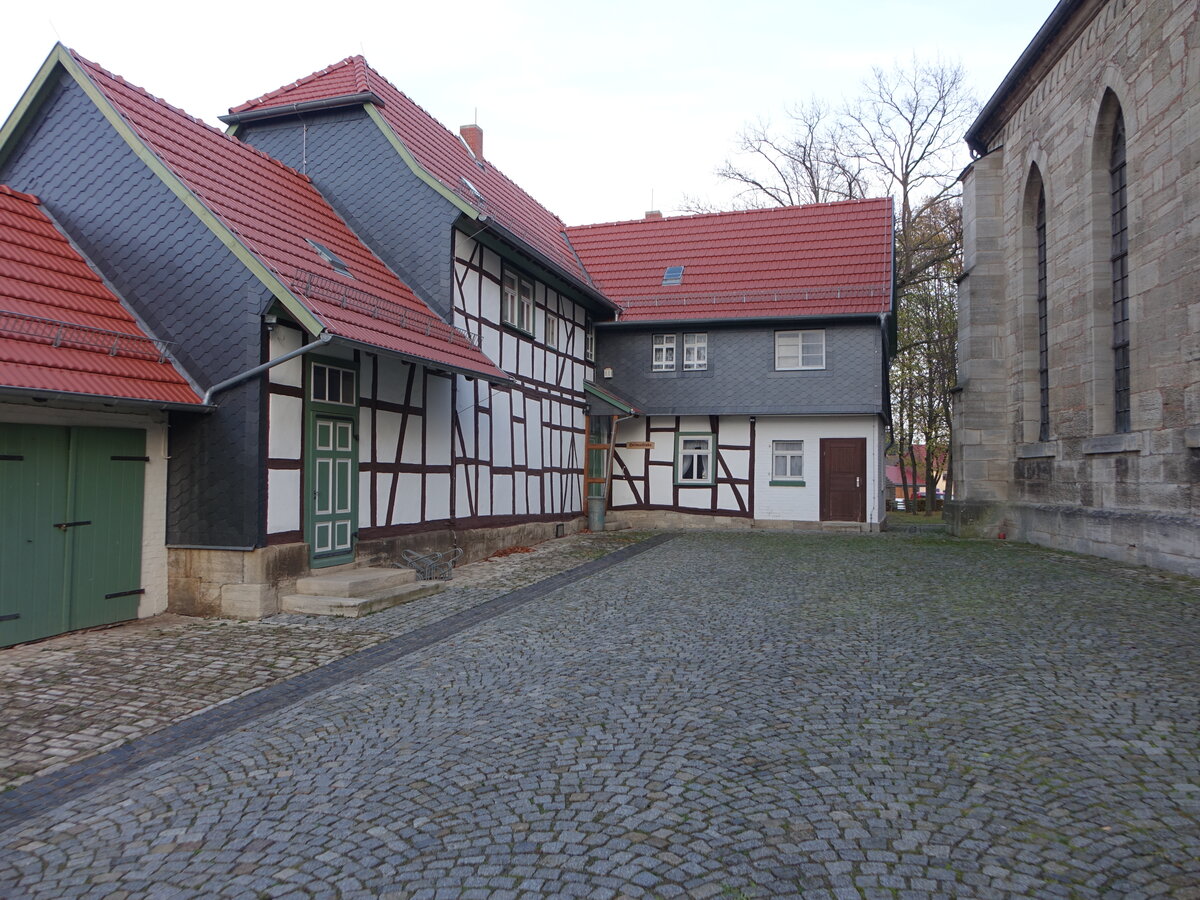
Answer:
(673, 275)
(330, 257)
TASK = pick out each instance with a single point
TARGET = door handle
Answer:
(63, 526)
(857, 481)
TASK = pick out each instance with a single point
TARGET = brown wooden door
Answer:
(843, 479)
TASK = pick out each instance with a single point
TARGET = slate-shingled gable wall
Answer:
(183, 283)
(407, 223)
(741, 376)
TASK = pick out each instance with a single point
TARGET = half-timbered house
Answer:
(751, 350)
(479, 250)
(241, 263)
(392, 345)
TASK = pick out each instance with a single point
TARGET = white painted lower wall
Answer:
(652, 470)
(803, 504)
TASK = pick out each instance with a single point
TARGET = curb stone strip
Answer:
(44, 793)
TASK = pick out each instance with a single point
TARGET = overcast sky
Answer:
(594, 108)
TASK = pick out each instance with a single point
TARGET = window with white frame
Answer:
(516, 305)
(551, 330)
(589, 341)
(331, 384)
(787, 461)
(799, 350)
(695, 352)
(664, 353)
(694, 459)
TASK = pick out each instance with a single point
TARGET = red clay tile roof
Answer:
(825, 259)
(439, 151)
(274, 211)
(61, 328)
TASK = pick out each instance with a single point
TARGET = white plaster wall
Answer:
(437, 422)
(437, 496)
(154, 504)
(284, 426)
(283, 500)
(285, 340)
(387, 434)
(408, 497)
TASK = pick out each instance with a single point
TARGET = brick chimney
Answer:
(653, 214)
(473, 135)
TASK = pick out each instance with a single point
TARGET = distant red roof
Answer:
(61, 328)
(439, 151)
(823, 259)
(275, 211)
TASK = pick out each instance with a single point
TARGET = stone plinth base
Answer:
(1144, 538)
(240, 584)
(673, 520)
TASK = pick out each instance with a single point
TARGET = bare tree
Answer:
(906, 131)
(901, 137)
(924, 369)
(803, 163)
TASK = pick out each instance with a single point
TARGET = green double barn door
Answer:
(70, 528)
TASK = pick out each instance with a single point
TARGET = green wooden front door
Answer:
(333, 476)
(70, 528)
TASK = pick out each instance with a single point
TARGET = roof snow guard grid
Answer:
(809, 302)
(314, 286)
(67, 334)
(825, 259)
(438, 151)
(272, 211)
(62, 330)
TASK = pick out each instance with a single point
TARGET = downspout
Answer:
(324, 338)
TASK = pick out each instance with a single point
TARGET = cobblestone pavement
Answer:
(72, 696)
(728, 715)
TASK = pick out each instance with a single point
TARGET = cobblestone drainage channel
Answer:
(49, 791)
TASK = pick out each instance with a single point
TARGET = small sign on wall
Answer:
(639, 445)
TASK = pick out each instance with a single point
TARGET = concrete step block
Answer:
(355, 582)
(355, 607)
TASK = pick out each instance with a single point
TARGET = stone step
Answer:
(354, 607)
(844, 527)
(355, 582)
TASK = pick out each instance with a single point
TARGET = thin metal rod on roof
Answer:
(316, 286)
(58, 333)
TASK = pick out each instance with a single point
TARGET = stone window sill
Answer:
(1039, 450)
(1114, 443)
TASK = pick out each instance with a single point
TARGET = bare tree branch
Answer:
(901, 137)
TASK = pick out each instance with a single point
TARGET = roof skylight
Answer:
(673, 275)
(330, 257)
